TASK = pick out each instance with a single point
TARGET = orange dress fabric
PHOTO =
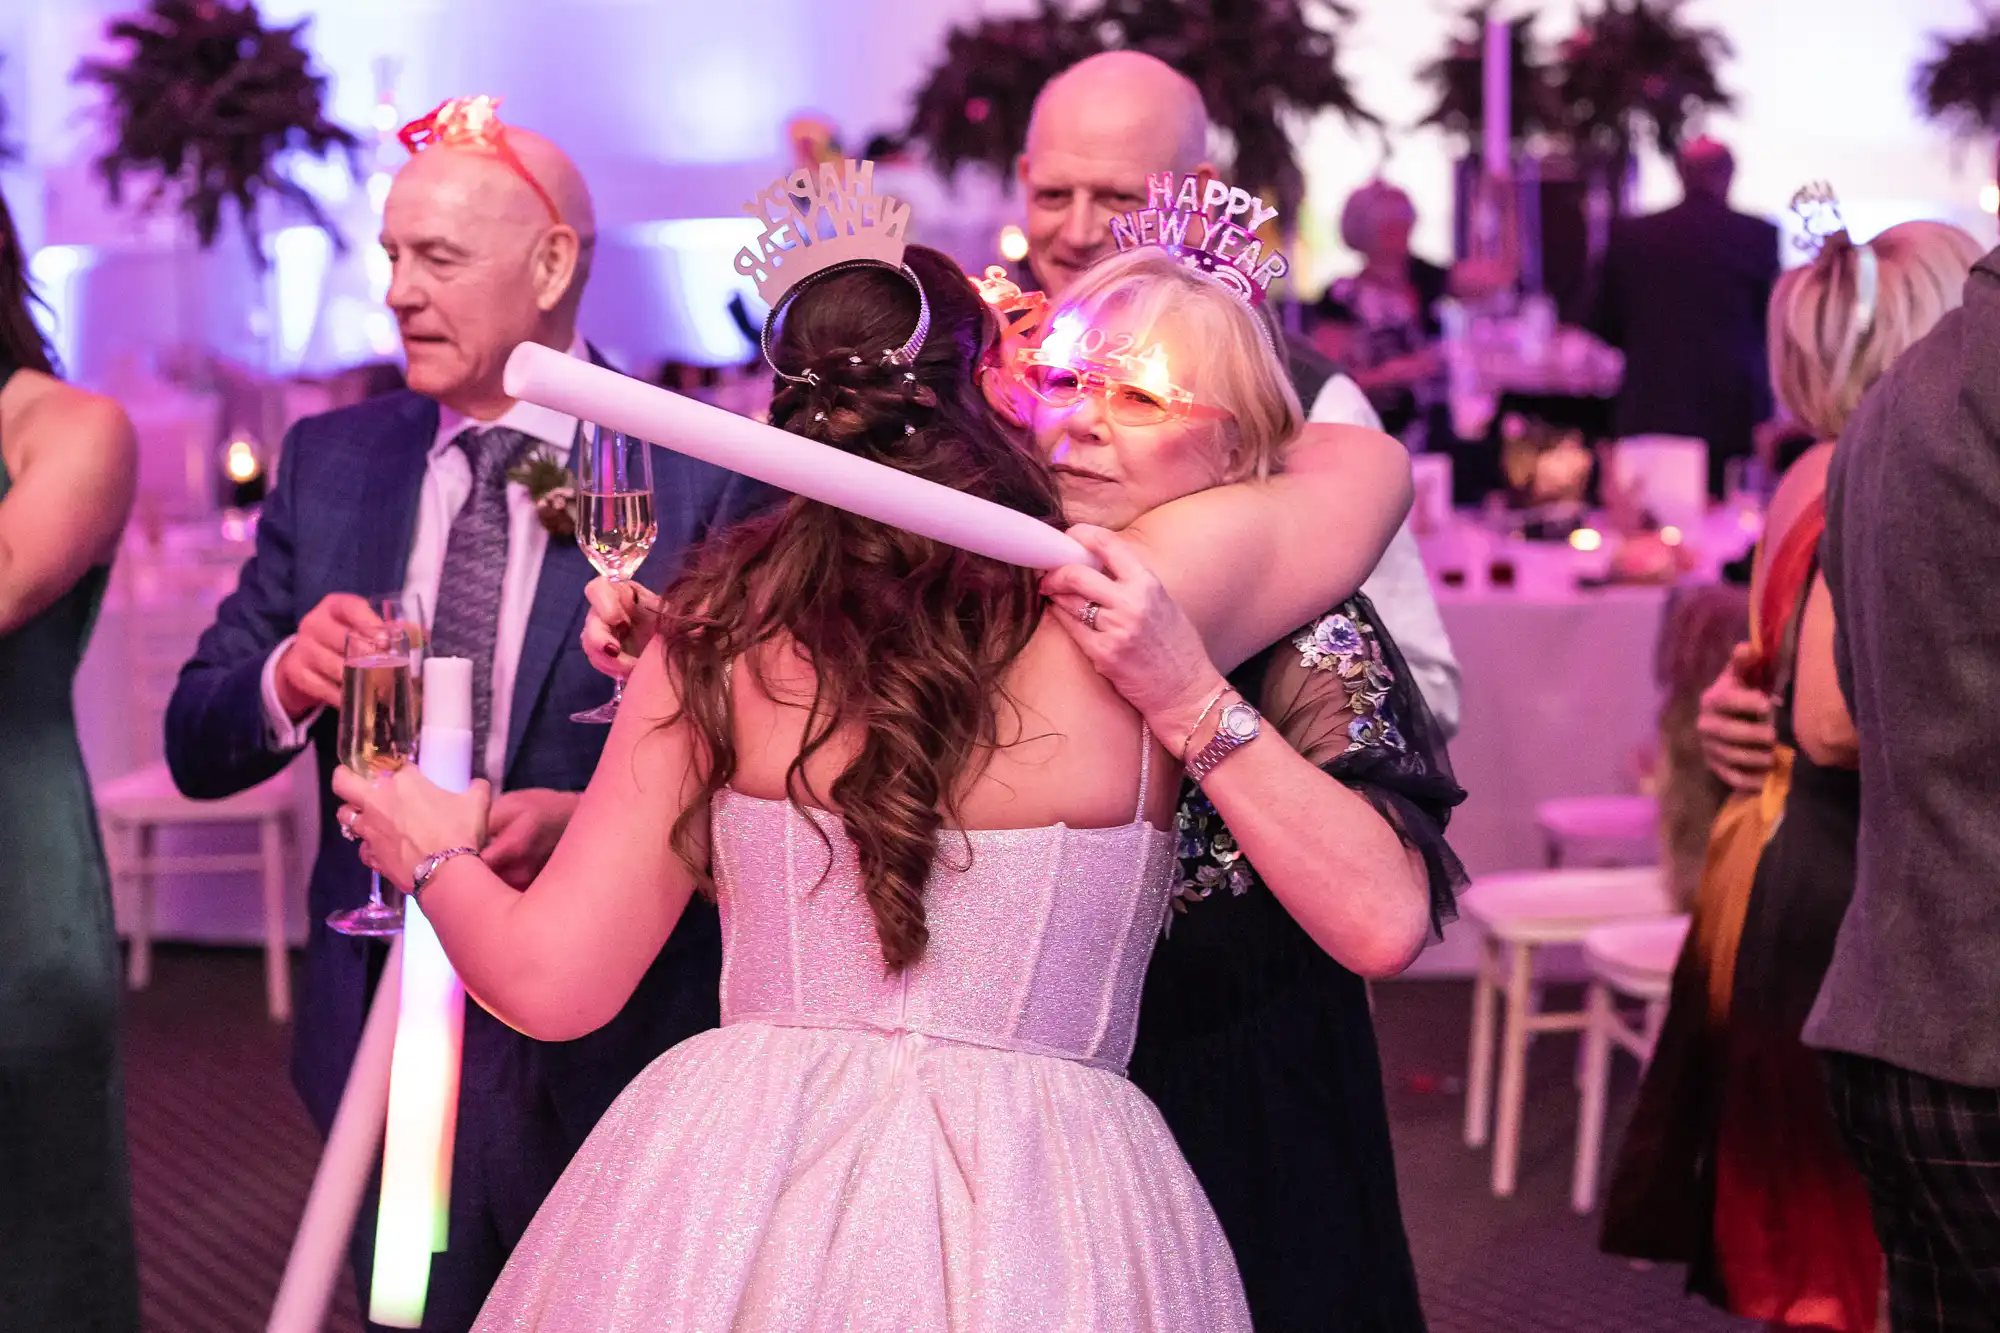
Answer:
(1688, 1188)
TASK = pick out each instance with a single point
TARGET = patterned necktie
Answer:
(475, 564)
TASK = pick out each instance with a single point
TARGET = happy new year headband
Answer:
(822, 222)
(473, 122)
(1194, 220)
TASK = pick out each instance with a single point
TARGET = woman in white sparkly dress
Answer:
(938, 839)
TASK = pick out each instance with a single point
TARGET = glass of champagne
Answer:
(378, 734)
(405, 611)
(614, 521)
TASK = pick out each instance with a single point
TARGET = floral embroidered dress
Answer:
(1257, 1047)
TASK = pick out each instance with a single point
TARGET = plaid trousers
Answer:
(1930, 1154)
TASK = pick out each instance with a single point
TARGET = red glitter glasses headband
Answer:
(472, 122)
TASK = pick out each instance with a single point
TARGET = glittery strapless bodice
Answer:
(1038, 941)
(951, 1147)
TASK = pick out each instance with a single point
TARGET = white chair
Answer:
(1519, 915)
(162, 624)
(1634, 959)
(1600, 830)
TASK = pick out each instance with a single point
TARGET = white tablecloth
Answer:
(1558, 695)
(1558, 692)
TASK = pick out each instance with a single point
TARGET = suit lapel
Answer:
(555, 620)
(392, 483)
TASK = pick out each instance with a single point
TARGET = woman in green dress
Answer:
(67, 472)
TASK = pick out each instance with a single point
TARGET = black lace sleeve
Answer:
(1341, 693)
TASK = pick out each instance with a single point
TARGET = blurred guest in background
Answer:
(1909, 1016)
(411, 491)
(68, 468)
(1390, 309)
(1682, 294)
(1732, 1164)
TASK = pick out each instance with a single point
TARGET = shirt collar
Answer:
(546, 424)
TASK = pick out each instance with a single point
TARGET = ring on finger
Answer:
(346, 820)
(1089, 614)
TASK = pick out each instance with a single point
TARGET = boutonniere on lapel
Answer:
(553, 487)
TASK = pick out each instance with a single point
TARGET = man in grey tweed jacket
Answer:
(1909, 1014)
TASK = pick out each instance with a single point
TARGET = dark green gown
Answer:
(66, 1253)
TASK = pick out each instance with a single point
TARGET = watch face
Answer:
(1239, 721)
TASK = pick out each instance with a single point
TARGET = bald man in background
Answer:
(1098, 130)
(1258, 1048)
(489, 243)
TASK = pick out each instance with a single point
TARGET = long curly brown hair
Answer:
(908, 639)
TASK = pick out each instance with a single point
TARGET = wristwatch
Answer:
(1236, 728)
(429, 866)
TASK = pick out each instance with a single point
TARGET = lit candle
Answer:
(424, 1068)
(1496, 70)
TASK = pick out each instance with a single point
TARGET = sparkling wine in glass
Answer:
(378, 734)
(614, 521)
(405, 611)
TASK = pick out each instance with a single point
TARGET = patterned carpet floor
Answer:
(222, 1156)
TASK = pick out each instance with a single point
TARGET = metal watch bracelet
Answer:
(1239, 724)
(429, 866)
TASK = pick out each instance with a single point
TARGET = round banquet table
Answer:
(1557, 694)
(1557, 697)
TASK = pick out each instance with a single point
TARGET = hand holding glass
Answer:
(614, 522)
(378, 734)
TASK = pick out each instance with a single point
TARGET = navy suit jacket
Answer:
(341, 518)
(1683, 295)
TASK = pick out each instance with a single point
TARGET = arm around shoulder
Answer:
(1251, 561)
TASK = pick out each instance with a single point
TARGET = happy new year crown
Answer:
(1193, 220)
(817, 222)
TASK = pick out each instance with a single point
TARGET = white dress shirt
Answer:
(1400, 587)
(447, 485)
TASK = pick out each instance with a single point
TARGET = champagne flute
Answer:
(614, 523)
(378, 734)
(405, 611)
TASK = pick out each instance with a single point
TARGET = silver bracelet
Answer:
(1206, 709)
(430, 864)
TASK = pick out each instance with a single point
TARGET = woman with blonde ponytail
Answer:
(1732, 1164)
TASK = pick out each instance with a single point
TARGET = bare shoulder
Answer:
(1803, 482)
(1069, 744)
(39, 412)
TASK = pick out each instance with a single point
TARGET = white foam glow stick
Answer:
(552, 379)
(319, 1250)
(430, 1024)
